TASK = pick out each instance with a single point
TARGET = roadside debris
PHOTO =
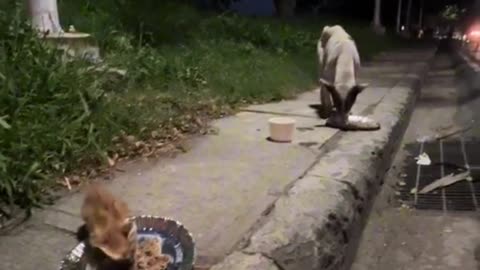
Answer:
(446, 181)
(423, 159)
(443, 135)
(425, 139)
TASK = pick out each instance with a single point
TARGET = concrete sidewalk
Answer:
(238, 191)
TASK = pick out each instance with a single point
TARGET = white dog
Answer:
(339, 63)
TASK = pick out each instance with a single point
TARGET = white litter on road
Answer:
(423, 159)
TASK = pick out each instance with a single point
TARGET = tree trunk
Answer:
(44, 16)
(377, 18)
(409, 11)
(399, 16)
(285, 8)
(420, 15)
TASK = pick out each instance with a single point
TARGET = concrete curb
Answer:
(317, 224)
(470, 67)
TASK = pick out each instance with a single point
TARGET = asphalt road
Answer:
(399, 236)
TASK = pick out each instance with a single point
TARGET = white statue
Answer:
(44, 16)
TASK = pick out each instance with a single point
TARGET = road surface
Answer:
(397, 236)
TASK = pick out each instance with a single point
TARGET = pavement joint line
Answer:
(56, 228)
(278, 113)
(54, 209)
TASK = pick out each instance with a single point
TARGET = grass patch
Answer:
(184, 68)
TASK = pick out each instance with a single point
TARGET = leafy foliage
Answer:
(62, 118)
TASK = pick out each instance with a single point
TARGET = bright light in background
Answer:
(403, 27)
(475, 33)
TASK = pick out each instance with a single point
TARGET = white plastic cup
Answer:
(281, 129)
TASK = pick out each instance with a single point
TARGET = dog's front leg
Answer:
(326, 100)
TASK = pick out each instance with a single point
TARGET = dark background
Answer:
(363, 9)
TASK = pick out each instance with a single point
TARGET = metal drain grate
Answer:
(447, 157)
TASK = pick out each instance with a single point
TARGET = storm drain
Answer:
(446, 157)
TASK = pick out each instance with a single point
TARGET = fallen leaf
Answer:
(67, 182)
(111, 162)
(130, 139)
(445, 181)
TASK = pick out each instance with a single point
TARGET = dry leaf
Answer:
(67, 183)
(445, 181)
(111, 162)
(130, 139)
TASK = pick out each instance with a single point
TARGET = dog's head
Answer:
(343, 104)
(329, 31)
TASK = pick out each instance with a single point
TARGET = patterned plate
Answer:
(177, 243)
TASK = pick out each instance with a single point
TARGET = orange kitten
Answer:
(110, 238)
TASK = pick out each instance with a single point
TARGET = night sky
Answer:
(363, 9)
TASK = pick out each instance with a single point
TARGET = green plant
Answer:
(64, 118)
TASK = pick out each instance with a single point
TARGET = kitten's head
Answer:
(100, 207)
(117, 242)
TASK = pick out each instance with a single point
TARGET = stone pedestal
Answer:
(75, 44)
(83, 45)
